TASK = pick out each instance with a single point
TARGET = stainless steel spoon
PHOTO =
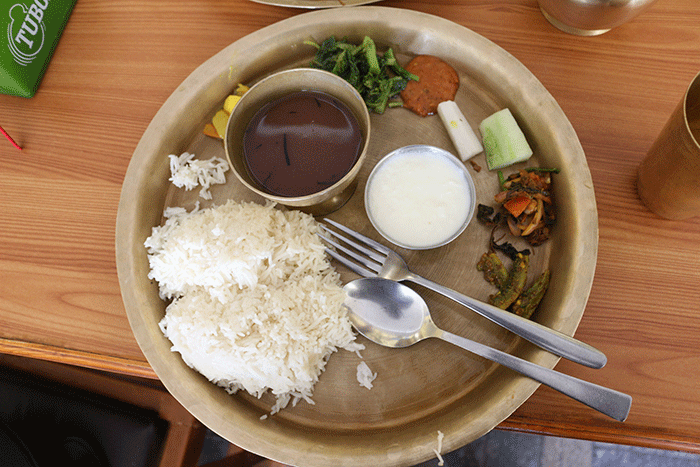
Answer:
(394, 315)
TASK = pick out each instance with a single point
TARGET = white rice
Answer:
(255, 304)
(188, 172)
(365, 376)
(438, 451)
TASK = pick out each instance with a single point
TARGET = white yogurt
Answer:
(420, 197)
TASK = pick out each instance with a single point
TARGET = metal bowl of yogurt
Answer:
(420, 197)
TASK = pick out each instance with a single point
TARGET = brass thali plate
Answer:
(421, 390)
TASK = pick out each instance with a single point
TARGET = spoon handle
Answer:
(607, 401)
(549, 339)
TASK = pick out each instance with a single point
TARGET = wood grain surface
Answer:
(116, 64)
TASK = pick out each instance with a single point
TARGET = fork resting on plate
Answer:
(369, 258)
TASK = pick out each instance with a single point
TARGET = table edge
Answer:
(80, 358)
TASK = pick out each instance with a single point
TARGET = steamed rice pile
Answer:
(255, 304)
(189, 173)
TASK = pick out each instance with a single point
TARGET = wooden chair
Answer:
(182, 445)
(184, 435)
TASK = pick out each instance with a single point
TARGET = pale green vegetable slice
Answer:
(504, 141)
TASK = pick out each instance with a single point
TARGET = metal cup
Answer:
(668, 179)
(591, 17)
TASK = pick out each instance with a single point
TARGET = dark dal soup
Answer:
(301, 143)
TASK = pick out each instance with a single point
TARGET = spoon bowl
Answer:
(394, 315)
(398, 321)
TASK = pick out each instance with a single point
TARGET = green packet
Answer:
(32, 30)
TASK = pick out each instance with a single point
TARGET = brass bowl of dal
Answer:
(308, 149)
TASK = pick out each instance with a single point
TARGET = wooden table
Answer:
(118, 61)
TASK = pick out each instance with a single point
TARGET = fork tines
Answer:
(353, 252)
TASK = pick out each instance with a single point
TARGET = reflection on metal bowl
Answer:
(591, 17)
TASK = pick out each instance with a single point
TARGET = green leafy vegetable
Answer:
(378, 78)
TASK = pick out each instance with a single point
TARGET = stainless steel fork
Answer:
(370, 258)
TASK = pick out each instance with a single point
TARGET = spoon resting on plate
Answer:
(394, 315)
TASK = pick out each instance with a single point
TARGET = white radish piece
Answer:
(463, 137)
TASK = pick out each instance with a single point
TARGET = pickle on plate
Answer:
(514, 284)
(526, 304)
(493, 268)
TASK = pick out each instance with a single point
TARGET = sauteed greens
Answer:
(378, 78)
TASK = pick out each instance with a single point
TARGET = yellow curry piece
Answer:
(217, 127)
